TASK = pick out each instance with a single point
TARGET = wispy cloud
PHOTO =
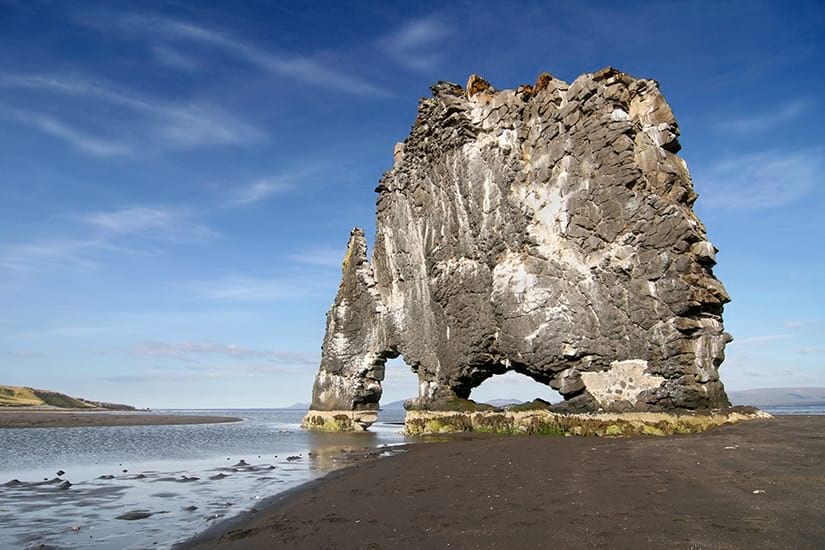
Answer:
(253, 289)
(81, 140)
(192, 351)
(801, 323)
(760, 339)
(181, 125)
(170, 223)
(24, 354)
(258, 191)
(307, 70)
(416, 44)
(195, 373)
(811, 350)
(782, 114)
(109, 235)
(763, 180)
(322, 257)
(176, 59)
(43, 255)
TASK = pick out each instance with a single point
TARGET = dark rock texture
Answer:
(546, 230)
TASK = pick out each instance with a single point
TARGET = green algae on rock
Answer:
(545, 422)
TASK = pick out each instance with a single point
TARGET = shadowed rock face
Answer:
(546, 230)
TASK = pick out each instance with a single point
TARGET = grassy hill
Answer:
(19, 396)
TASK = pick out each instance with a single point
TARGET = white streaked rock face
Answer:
(547, 230)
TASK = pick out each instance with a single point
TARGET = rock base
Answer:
(543, 422)
(339, 421)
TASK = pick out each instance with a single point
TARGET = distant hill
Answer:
(503, 402)
(19, 396)
(778, 397)
(298, 406)
(399, 405)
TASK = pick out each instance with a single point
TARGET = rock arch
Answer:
(547, 230)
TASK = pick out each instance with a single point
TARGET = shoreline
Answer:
(42, 418)
(751, 484)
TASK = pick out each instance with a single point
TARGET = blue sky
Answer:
(178, 179)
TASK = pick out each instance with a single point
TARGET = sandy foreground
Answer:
(759, 484)
(69, 419)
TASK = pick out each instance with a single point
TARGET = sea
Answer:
(166, 483)
(153, 486)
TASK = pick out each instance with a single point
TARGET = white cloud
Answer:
(322, 257)
(191, 351)
(82, 141)
(762, 180)
(766, 121)
(300, 68)
(801, 323)
(25, 354)
(169, 223)
(254, 289)
(177, 125)
(415, 45)
(111, 228)
(760, 339)
(811, 350)
(43, 255)
(258, 190)
(175, 58)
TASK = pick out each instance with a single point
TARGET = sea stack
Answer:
(547, 230)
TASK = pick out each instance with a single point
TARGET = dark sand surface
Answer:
(69, 419)
(759, 484)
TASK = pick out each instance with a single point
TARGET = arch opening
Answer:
(399, 385)
(512, 388)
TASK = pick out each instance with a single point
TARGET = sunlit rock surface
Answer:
(546, 230)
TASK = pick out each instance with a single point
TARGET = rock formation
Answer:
(546, 230)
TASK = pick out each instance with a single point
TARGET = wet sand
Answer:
(70, 419)
(759, 484)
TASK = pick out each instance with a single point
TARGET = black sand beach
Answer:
(69, 419)
(758, 484)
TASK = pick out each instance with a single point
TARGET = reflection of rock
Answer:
(135, 515)
(547, 230)
(331, 457)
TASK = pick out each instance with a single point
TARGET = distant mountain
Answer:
(399, 405)
(394, 406)
(777, 397)
(298, 406)
(21, 397)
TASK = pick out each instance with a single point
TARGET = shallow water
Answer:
(796, 410)
(177, 479)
